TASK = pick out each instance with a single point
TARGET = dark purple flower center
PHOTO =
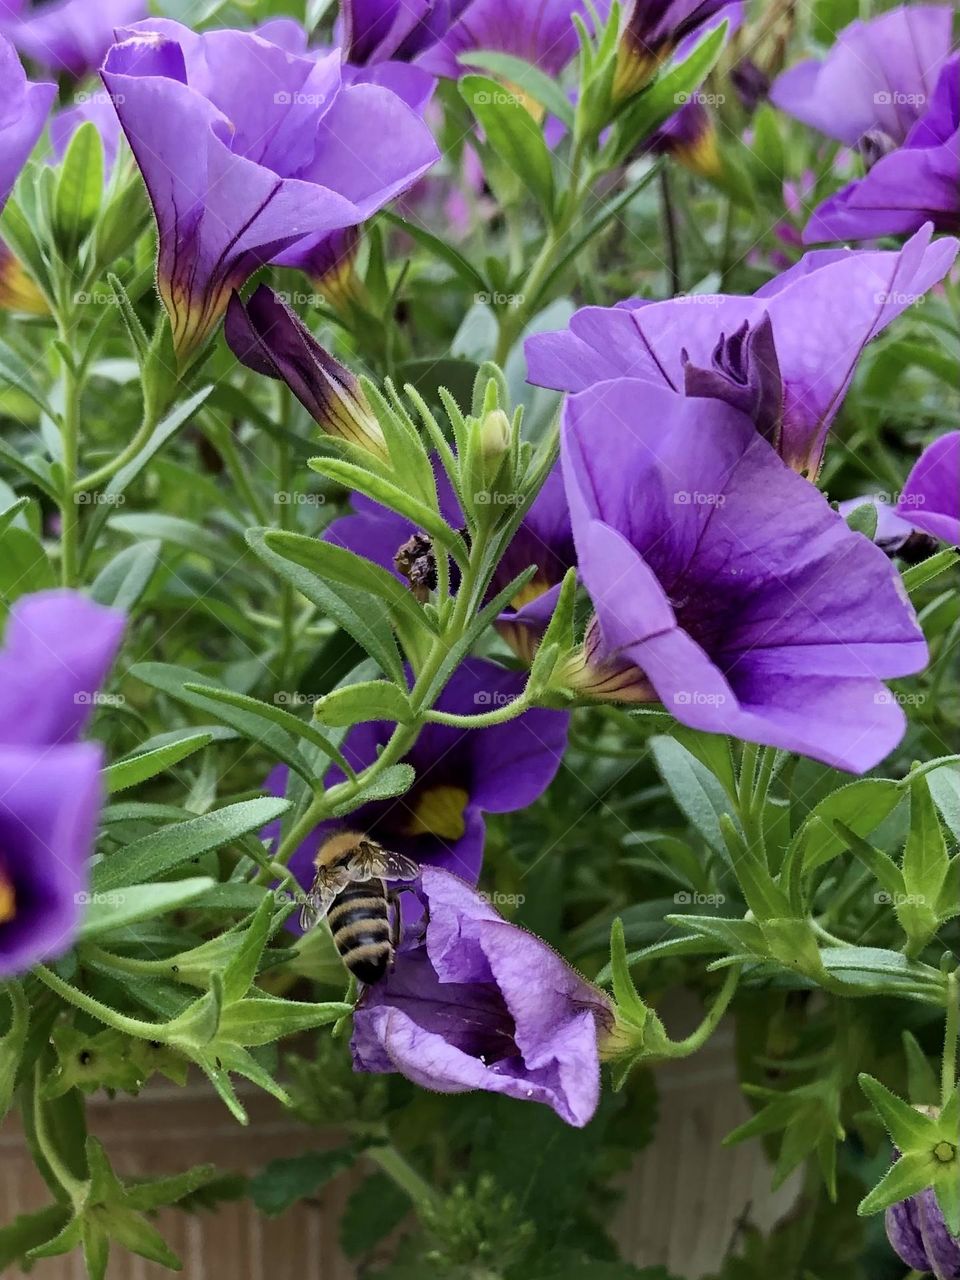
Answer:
(745, 373)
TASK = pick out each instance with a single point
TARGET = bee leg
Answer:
(396, 924)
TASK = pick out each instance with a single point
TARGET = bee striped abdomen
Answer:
(360, 923)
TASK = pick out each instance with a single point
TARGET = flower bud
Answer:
(495, 433)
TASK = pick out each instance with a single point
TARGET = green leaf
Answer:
(279, 1185)
(131, 772)
(112, 910)
(658, 102)
(122, 582)
(698, 794)
(369, 700)
(440, 249)
(374, 1209)
(925, 858)
(30, 1231)
(534, 82)
(24, 566)
(920, 574)
(924, 1086)
(629, 1005)
(513, 134)
(880, 865)
(392, 782)
(863, 519)
(278, 715)
(357, 612)
(336, 564)
(861, 806)
(16, 372)
(260, 1022)
(911, 1174)
(175, 680)
(80, 187)
(909, 1129)
(162, 851)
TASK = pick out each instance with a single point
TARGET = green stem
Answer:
(683, 1048)
(502, 715)
(102, 1012)
(109, 469)
(69, 508)
(952, 1032)
(670, 231)
(395, 1166)
(73, 1186)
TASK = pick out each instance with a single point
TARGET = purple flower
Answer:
(23, 112)
(740, 598)
(655, 29)
(71, 37)
(888, 88)
(822, 313)
(930, 500)
(435, 33)
(918, 1233)
(58, 648)
(544, 539)
(461, 774)
(269, 337)
(481, 1004)
(281, 149)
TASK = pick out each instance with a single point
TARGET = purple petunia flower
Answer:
(479, 1003)
(930, 500)
(70, 37)
(918, 1233)
(544, 539)
(461, 774)
(58, 648)
(435, 33)
(786, 355)
(23, 112)
(889, 87)
(282, 149)
(742, 601)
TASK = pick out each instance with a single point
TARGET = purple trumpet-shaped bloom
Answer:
(281, 149)
(23, 113)
(269, 337)
(544, 539)
(822, 313)
(57, 650)
(461, 774)
(435, 33)
(70, 37)
(918, 1233)
(889, 87)
(479, 1003)
(730, 585)
(930, 500)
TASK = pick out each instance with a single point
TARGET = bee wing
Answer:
(394, 866)
(320, 899)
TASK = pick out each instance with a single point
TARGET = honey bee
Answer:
(348, 891)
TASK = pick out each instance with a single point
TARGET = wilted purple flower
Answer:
(690, 136)
(23, 111)
(70, 37)
(479, 1003)
(544, 539)
(930, 500)
(58, 648)
(918, 1233)
(741, 599)
(655, 28)
(269, 337)
(281, 149)
(888, 88)
(461, 774)
(822, 313)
